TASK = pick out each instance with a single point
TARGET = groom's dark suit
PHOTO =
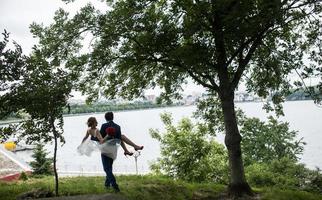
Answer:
(113, 125)
(107, 161)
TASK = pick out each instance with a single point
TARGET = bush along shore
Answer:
(103, 107)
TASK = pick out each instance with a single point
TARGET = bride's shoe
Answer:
(128, 153)
(138, 148)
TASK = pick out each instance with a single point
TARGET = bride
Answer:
(107, 145)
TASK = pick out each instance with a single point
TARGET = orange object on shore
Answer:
(13, 177)
(10, 146)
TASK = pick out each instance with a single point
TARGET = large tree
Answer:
(139, 44)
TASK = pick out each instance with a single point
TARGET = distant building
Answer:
(244, 96)
(150, 97)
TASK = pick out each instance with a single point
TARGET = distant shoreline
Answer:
(12, 121)
(5, 122)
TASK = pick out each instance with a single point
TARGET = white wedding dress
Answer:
(108, 148)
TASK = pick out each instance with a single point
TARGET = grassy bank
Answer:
(143, 188)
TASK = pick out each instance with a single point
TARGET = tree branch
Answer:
(213, 85)
(243, 62)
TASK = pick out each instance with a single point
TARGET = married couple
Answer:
(109, 136)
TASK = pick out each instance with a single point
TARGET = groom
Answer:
(110, 128)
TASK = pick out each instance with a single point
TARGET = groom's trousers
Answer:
(108, 168)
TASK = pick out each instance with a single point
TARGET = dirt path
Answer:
(89, 197)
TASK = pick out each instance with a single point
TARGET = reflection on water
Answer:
(303, 116)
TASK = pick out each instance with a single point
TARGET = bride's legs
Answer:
(126, 151)
(129, 142)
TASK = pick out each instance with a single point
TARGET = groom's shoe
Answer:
(107, 187)
(116, 189)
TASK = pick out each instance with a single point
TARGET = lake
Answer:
(303, 116)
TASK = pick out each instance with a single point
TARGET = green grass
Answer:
(276, 194)
(141, 188)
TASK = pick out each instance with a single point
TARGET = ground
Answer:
(88, 197)
(196, 196)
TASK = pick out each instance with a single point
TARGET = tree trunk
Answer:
(55, 168)
(55, 155)
(238, 185)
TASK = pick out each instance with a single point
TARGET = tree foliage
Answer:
(162, 43)
(266, 141)
(12, 68)
(12, 63)
(42, 92)
(188, 154)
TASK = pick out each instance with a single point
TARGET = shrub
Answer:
(314, 181)
(266, 141)
(23, 176)
(41, 164)
(284, 173)
(187, 154)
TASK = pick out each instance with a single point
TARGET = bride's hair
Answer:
(91, 121)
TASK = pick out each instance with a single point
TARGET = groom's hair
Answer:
(109, 116)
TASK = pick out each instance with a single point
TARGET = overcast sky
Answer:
(17, 15)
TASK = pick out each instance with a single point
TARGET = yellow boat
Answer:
(10, 146)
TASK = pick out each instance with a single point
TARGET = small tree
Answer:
(267, 141)
(188, 154)
(43, 94)
(41, 91)
(41, 165)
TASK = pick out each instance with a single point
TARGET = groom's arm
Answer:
(118, 133)
(102, 130)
